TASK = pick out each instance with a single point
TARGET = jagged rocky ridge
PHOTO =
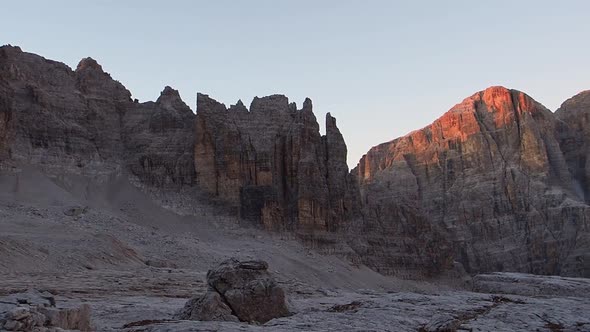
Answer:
(501, 175)
(268, 163)
(84, 122)
(498, 183)
(271, 162)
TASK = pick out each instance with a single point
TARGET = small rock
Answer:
(75, 211)
(209, 307)
(442, 323)
(19, 313)
(12, 325)
(352, 306)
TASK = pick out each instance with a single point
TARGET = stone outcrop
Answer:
(573, 132)
(271, 163)
(243, 290)
(208, 307)
(490, 173)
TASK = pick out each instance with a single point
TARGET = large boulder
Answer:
(243, 290)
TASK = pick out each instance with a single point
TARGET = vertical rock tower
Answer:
(271, 163)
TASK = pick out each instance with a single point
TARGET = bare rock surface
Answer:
(208, 307)
(531, 285)
(37, 311)
(441, 311)
(103, 257)
(125, 294)
(243, 290)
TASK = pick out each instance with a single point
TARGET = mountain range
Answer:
(497, 183)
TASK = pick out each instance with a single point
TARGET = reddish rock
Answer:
(490, 173)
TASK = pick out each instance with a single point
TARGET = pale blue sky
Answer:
(383, 68)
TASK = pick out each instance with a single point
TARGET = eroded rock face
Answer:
(271, 162)
(159, 141)
(491, 174)
(243, 290)
(397, 239)
(573, 132)
(85, 122)
(497, 183)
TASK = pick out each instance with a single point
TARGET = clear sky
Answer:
(382, 68)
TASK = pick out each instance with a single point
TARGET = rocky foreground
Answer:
(556, 304)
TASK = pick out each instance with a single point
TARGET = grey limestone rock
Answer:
(243, 290)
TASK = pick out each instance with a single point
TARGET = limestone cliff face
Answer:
(497, 183)
(573, 132)
(158, 138)
(271, 162)
(85, 122)
(491, 174)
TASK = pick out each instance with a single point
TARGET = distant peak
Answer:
(307, 104)
(330, 122)
(496, 89)
(239, 107)
(578, 103)
(498, 99)
(270, 103)
(89, 63)
(169, 92)
(10, 51)
(202, 97)
(170, 99)
(580, 95)
(12, 48)
(206, 103)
